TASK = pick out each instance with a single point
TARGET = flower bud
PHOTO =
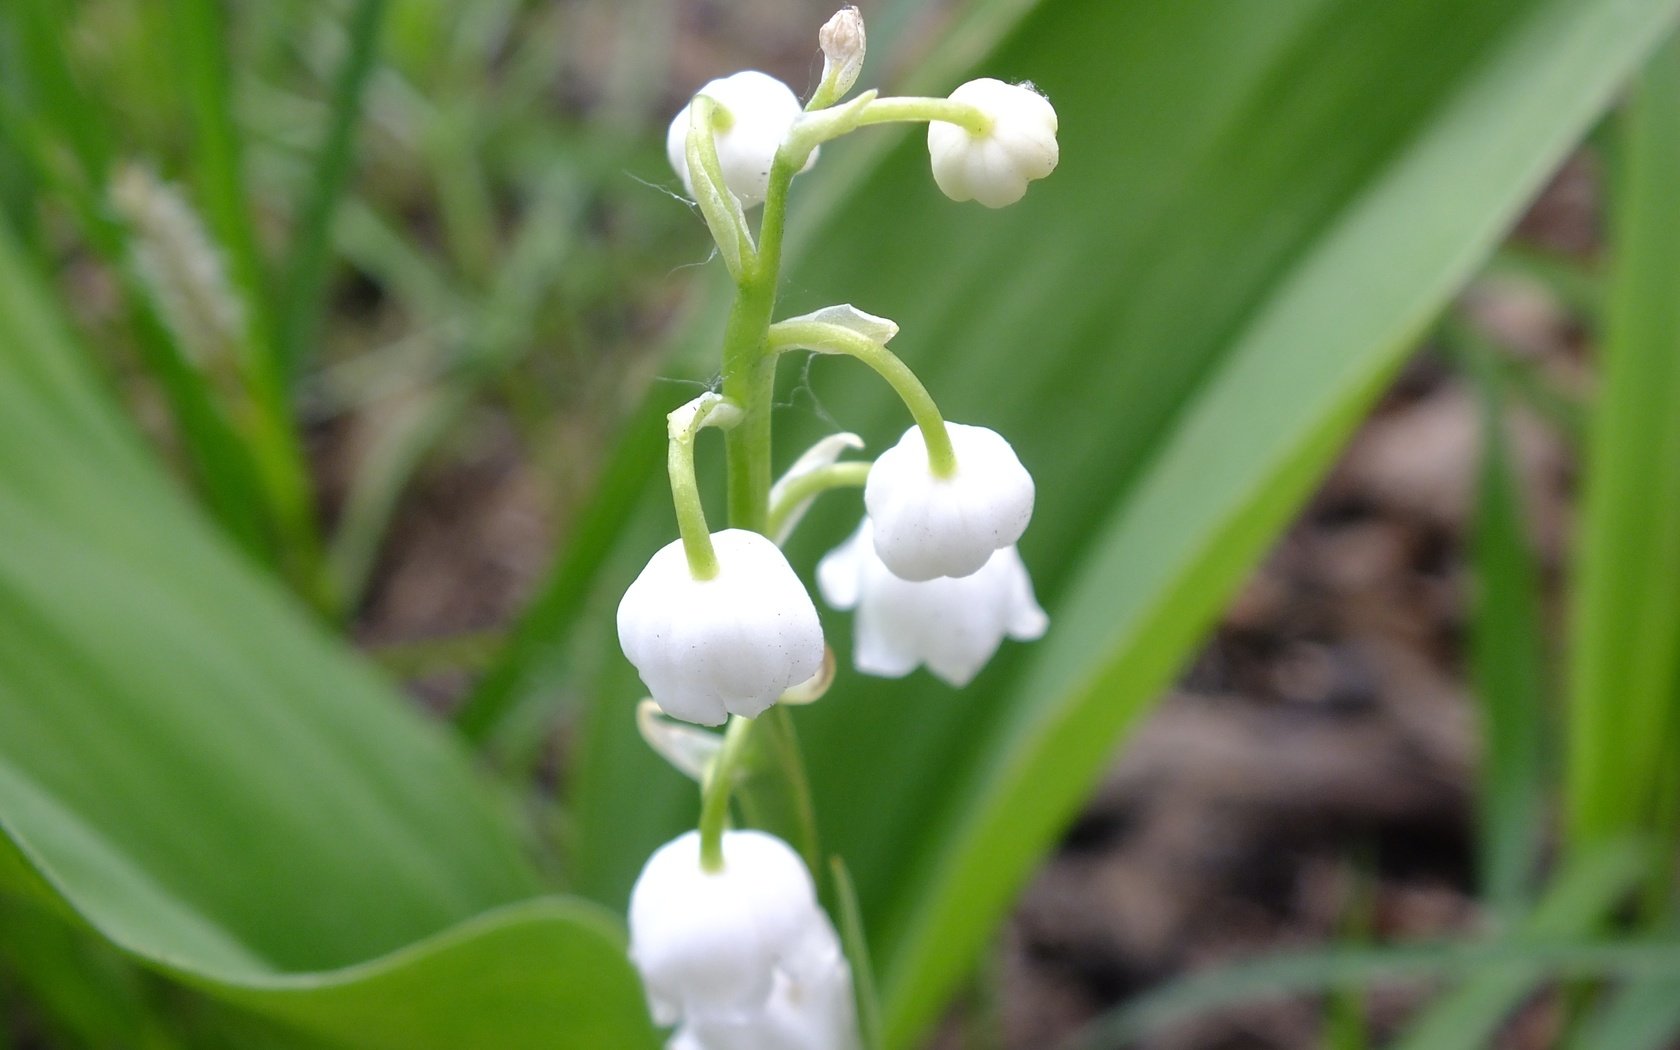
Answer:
(730, 644)
(742, 956)
(843, 45)
(994, 168)
(759, 110)
(954, 626)
(928, 526)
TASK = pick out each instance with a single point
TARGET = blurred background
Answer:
(477, 285)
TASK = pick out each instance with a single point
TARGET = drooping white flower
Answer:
(994, 168)
(742, 958)
(928, 526)
(707, 649)
(760, 111)
(810, 1008)
(953, 625)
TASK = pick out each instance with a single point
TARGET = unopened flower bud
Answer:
(928, 526)
(954, 626)
(843, 45)
(995, 167)
(758, 111)
(730, 644)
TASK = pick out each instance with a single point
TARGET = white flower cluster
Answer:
(725, 928)
(741, 958)
(932, 572)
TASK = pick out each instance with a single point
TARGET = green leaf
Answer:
(1580, 899)
(1552, 943)
(1624, 681)
(85, 991)
(1297, 973)
(304, 277)
(1644, 1015)
(1258, 207)
(198, 774)
(1507, 664)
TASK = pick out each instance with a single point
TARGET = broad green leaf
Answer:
(1624, 682)
(1258, 207)
(192, 769)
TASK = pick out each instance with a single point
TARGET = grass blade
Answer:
(1546, 948)
(1507, 666)
(1644, 1015)
(303, 279)
(1581, 897)
(1625, 644)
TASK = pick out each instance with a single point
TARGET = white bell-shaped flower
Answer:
(761, 110)
(732, 644)
(951, 625)
(994, 168)
(745, 949)
(811, 1007)
(928, 526)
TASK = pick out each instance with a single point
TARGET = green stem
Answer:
(683, 425)
(784, 745)
(714, 795)
(691, 517)
(749, 369)
(809, 486)
(922, 110)
(828, 338)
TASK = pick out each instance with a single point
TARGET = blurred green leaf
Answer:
(304, 276)
(1580, 898)
(1624, 684)
(1507, 666)
(1258, 207)
(1552, 944)
(1625, 645)
(1297, 973)
(1644, 1015)
(206, 780)
(85, 992)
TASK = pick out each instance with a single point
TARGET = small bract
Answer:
(731, 644)
(953, 625)
(742, 956)
(927, 526)
(760, 109)
(995, 168)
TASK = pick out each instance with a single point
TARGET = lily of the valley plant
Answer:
(725, 926)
